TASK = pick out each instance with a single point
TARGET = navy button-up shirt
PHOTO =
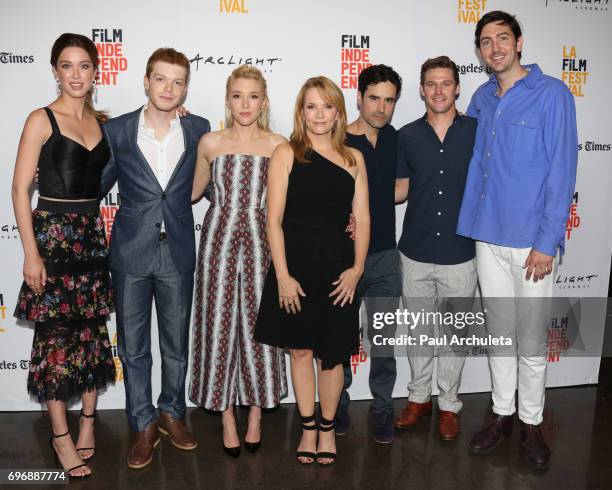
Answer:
(523, 172)
(437, 171)
(380, 165)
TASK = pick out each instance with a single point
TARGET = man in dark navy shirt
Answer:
(379, 87)
(433, 157)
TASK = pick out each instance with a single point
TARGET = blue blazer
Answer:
(144, 204)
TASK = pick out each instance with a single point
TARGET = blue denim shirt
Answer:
(523, 170)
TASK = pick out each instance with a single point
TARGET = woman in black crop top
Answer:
(66, 289)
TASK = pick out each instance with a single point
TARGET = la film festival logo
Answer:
(575, 73)
(354, 58)
(108, 210)
(109, 43)
(233, 7)
(470, 11)
(360, 357)
(116, 360)
(2, 313)
(573, 222)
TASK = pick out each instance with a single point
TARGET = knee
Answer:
(301, 355)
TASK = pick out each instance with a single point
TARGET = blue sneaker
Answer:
(383, 427)
(343, 420)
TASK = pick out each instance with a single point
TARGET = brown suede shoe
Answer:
(177, 430)
(411, 414)
(141, 453)
(498, 428)
(448, 425)
(536, 449)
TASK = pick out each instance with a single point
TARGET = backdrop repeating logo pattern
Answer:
(3, 314)
(584, 5)
(110, 50)
(233, 7)
(574, 71)
(108, 210)
(354, 58)
(573, 221)
(470, 11)
(6, 58)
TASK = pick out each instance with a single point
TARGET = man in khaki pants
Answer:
(433, 157)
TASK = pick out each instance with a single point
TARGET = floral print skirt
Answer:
(71, 351)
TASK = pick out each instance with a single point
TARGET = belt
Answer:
(162, 236)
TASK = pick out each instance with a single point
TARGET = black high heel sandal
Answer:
(326, 426)
(307, 454)
(57, 461)
(92, 416)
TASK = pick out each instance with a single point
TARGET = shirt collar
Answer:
(143, 125)
(534, 73)
(458, 117)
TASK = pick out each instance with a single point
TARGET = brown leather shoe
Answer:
(498, 428)
(141, 453)
(448, 425)
(177, 430)
(412, 413)
(536, 449)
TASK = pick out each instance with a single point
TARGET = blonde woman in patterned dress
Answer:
(228, 365)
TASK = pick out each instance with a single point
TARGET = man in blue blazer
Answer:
(152, 252)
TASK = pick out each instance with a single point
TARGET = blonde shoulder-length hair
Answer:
(330, 93)
(252, 73)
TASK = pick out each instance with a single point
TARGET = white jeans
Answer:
(424, 286)
(502, 277)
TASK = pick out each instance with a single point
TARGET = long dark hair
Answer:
(70, 40)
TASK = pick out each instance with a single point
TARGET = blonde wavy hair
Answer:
(330, 93)
(252, 73)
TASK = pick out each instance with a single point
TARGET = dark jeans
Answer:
(134, 296)
(381, 279)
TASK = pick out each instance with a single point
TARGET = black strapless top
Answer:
(68, 170)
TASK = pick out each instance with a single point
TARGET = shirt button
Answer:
(485, 176)
(498, 112)
(493, 133)
(439, 213)
(441, 171)
(488, 154)
(438, 234)
(441, 150)
(440, 192)
(481, 196)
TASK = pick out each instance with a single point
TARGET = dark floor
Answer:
(578, 426)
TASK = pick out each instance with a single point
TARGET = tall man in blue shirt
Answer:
(379, 87)
(433, 157)
(516, 203)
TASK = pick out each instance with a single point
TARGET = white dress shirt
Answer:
(162, 156)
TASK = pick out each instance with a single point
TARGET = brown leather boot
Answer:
(498, 428)
(141, 453)
(536, 449)
(448, 425)
(177, 430)
(412, 413)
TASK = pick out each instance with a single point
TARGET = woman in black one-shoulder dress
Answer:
(66, 289)
(308, 303)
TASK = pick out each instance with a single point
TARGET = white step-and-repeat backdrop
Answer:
(291, 41)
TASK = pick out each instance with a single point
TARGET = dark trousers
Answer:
(382, 280)
(134, 295)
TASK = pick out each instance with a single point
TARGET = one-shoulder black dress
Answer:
(318, 249)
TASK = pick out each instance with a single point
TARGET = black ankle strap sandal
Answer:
(326, 426)
(92, 416)
(307, 454)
